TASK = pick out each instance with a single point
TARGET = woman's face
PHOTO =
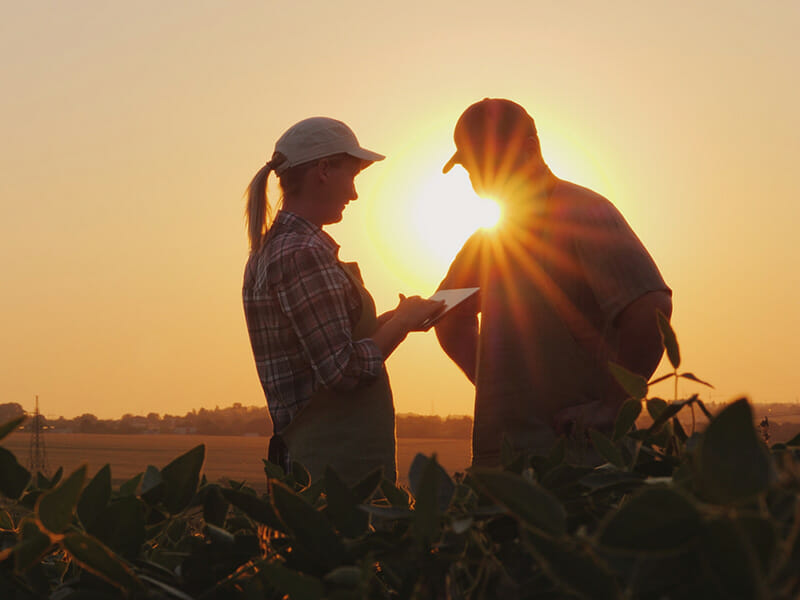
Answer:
(339, 188)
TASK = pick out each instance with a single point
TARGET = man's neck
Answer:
(531, 194)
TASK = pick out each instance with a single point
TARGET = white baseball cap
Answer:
(315, 138)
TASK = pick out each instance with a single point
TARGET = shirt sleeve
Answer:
(315, 299)
(616, 264)
(465, 271)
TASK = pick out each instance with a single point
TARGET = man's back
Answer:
(552, 282)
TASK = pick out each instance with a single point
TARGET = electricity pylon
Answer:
(38, 453)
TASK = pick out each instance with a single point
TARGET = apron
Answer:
(352, 431)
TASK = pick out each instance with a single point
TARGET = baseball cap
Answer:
(318, 137)
(486, 121)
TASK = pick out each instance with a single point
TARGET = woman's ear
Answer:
(323, 169)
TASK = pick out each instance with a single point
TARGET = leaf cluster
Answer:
(666, 514)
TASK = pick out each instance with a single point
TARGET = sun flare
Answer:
(445, 212)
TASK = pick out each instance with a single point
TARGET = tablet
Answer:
(451, 298)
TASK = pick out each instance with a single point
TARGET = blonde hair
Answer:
(258, 214)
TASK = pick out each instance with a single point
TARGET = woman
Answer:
(318, 345)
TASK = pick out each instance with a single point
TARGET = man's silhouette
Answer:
(566, 287)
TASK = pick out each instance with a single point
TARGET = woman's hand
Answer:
(413, 311)
(383, 318)
(410, 314)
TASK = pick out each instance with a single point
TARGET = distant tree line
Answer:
(779, 422)
(232, 420)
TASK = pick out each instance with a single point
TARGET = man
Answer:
(566, 287)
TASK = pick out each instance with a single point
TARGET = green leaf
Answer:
(96, 558)
(702, 406)
(273, 471)
(445, 487)
(181, 477)
(220, 536)
(346, 576)
(670, 341)
(656, 519)
(293, 584)
(169, 591)
(730, 562)
(509, 457)
(301, 474)
(343, 506)
(603, 480)
(56, 507)
(6, 522)
(364, 489)
(121, 526)
(313, 534)
(660, 379)
(254, 508)
(606, 448)
(152, 485)
(655, 406)
(734, 464)
(529, 502)
(10, 426)
(425, 523)
(576, 569)
(95, 497)
(129, 487)
(395, 495)
(668, 411)
(14, 477)
(634, 385)
(57, 477)
(388, 513)
(693, 377)
(215, 506)
(763, 537)
(32, 545)
(626, 417)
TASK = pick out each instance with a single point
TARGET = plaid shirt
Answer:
(301, 308)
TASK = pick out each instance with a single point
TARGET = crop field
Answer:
(232, 457)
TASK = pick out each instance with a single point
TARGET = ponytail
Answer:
(258, 214)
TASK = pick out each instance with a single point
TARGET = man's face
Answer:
(492, 164)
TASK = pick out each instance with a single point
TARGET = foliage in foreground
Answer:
(670, 514)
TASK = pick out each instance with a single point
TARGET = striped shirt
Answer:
(301, 307)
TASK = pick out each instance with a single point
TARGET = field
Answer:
(233, 457)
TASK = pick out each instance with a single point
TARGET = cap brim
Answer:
(367, 155)
(450, 163)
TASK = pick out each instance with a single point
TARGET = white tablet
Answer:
(452, 298)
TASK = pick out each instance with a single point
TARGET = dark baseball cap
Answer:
(488, 122)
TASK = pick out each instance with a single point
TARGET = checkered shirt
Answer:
(301, 307)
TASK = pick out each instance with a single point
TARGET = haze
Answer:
(130, 131)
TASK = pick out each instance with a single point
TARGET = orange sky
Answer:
(130, 131)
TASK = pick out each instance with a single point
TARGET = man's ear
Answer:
(531, 147)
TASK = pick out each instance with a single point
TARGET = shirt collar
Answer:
(292, 222)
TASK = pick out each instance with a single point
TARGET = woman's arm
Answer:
(409, 315)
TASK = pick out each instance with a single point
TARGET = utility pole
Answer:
(38, 453)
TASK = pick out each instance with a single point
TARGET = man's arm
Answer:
(640, 351)
(640, 343)
(458, 336)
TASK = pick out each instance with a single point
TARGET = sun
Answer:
(445, 211)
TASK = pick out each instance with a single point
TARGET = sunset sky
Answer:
(130, 131)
